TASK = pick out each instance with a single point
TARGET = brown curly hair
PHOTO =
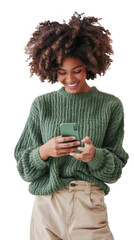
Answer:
(83, 38)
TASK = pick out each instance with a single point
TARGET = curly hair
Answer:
(81, 38)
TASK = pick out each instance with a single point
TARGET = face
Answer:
(72, 74)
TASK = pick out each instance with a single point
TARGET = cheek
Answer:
(83, 76)
(60, 78)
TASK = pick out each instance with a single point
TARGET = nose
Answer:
(70, 79)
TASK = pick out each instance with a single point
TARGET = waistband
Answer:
(82, 186)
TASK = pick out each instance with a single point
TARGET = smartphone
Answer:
(70, 129)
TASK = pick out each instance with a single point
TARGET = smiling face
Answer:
(72, 74)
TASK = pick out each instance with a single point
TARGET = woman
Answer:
(69, 187)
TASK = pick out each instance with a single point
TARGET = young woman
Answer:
(69, 186)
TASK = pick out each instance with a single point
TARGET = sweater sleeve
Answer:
(29, 163)
(109, 160)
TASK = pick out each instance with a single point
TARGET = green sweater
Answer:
(99, 115)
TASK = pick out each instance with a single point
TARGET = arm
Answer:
(29, 163)
(109, 160)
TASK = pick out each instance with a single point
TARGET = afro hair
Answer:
(82, 38)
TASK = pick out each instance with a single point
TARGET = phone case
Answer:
(70, 129)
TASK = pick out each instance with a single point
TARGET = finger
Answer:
(69, 144)
(68, 150)
(65, 139)
(67, 153)
(86, 140)
(76, 155)
(62, 154)
(81, 149)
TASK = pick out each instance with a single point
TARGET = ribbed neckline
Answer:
(77, 95)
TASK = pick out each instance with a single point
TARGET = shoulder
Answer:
(111, 103)
(109, 99)
(107, 95)
(42, 99)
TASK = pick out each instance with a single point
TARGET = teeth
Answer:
(72, 85)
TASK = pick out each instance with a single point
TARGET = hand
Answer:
(56, 148)
(88, 151)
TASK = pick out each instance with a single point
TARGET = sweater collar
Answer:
(64, 93)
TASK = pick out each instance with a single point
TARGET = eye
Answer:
(77, 72)
(61, 73)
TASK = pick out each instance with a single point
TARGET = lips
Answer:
(73, 86)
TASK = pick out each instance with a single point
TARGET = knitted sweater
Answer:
(99, 115)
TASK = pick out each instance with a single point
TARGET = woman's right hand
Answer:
(56, 148)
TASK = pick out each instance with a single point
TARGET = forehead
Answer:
(70, 62)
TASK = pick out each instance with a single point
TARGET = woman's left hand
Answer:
(88, 151)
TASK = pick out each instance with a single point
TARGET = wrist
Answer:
(43, 153)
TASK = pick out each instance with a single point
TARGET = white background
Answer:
(18, 21)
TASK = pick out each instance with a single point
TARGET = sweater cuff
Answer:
(97, 160)
(39, 163)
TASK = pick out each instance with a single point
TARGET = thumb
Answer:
(86, 139)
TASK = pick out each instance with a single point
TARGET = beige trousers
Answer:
(77, 212)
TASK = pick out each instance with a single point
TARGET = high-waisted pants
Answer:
(77, 212)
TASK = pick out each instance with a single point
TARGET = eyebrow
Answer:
(72, 68)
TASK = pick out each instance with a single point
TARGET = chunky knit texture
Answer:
(99, 115)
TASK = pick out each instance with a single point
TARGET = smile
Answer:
(72, 86)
